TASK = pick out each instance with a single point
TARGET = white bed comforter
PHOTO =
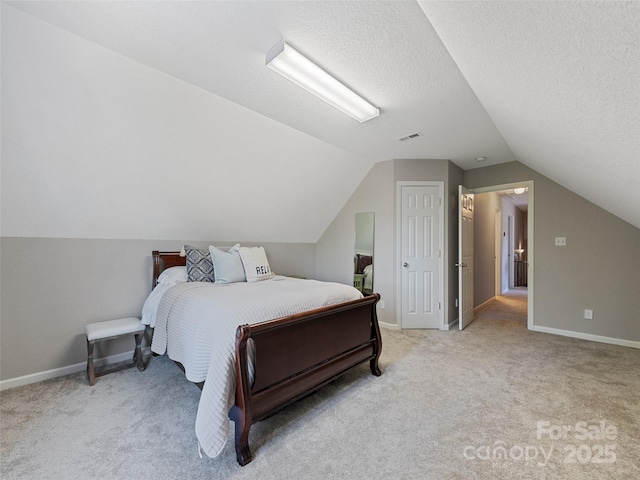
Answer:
(196, 324)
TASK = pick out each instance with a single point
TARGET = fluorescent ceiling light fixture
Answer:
(294, 66)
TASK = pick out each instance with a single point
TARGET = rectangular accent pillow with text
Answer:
(256, 265)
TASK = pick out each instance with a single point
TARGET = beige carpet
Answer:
(512, 306)
(490, 402)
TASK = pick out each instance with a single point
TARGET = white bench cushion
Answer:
(113, 328)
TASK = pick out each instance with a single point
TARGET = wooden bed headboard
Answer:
(164, 260)
(363, 261)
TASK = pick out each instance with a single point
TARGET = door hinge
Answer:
(439, 202)
(439, 253)
(439, 306)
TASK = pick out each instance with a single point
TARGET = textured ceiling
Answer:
(561, 82)
(555, 85)
(386, 51)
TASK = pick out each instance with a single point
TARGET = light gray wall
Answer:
(598, 269)
(335, 249)
(486, 205)
(377, 193)
(51, 288)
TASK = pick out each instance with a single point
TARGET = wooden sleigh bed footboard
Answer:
(296, 355)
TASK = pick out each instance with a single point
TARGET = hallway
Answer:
(512, 306)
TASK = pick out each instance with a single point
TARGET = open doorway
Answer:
(503, 251)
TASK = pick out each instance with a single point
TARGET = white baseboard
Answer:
(475, 309)
(450, 325)
(68, 370)
(390, 326)
(587, 336)
(121, 357)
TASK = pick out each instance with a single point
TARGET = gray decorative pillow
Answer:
(199, 265)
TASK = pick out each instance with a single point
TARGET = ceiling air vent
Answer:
(411, 136)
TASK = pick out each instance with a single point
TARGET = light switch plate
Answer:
(561, 241)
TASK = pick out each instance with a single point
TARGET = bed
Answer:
(247, 374)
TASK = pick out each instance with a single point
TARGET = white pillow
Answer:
(172, 276)
(256, 265)
(227, 265)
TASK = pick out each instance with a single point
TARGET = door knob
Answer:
(405, 264)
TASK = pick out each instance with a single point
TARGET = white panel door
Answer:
(465, 256)
(420, 257)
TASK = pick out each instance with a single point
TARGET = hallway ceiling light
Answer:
(294, 66)
(519, 190)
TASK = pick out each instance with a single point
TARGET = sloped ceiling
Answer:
(561, 82)
(553, 85)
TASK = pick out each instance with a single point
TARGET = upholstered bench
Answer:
(100, 331)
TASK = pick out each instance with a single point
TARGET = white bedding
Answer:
(367, 284)
(151, 304)
(196, 324)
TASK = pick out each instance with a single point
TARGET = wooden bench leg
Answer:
(91, 375)
(137, 354)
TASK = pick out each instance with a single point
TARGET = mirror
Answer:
(363, 258)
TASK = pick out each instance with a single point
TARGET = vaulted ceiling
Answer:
(554, 85)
